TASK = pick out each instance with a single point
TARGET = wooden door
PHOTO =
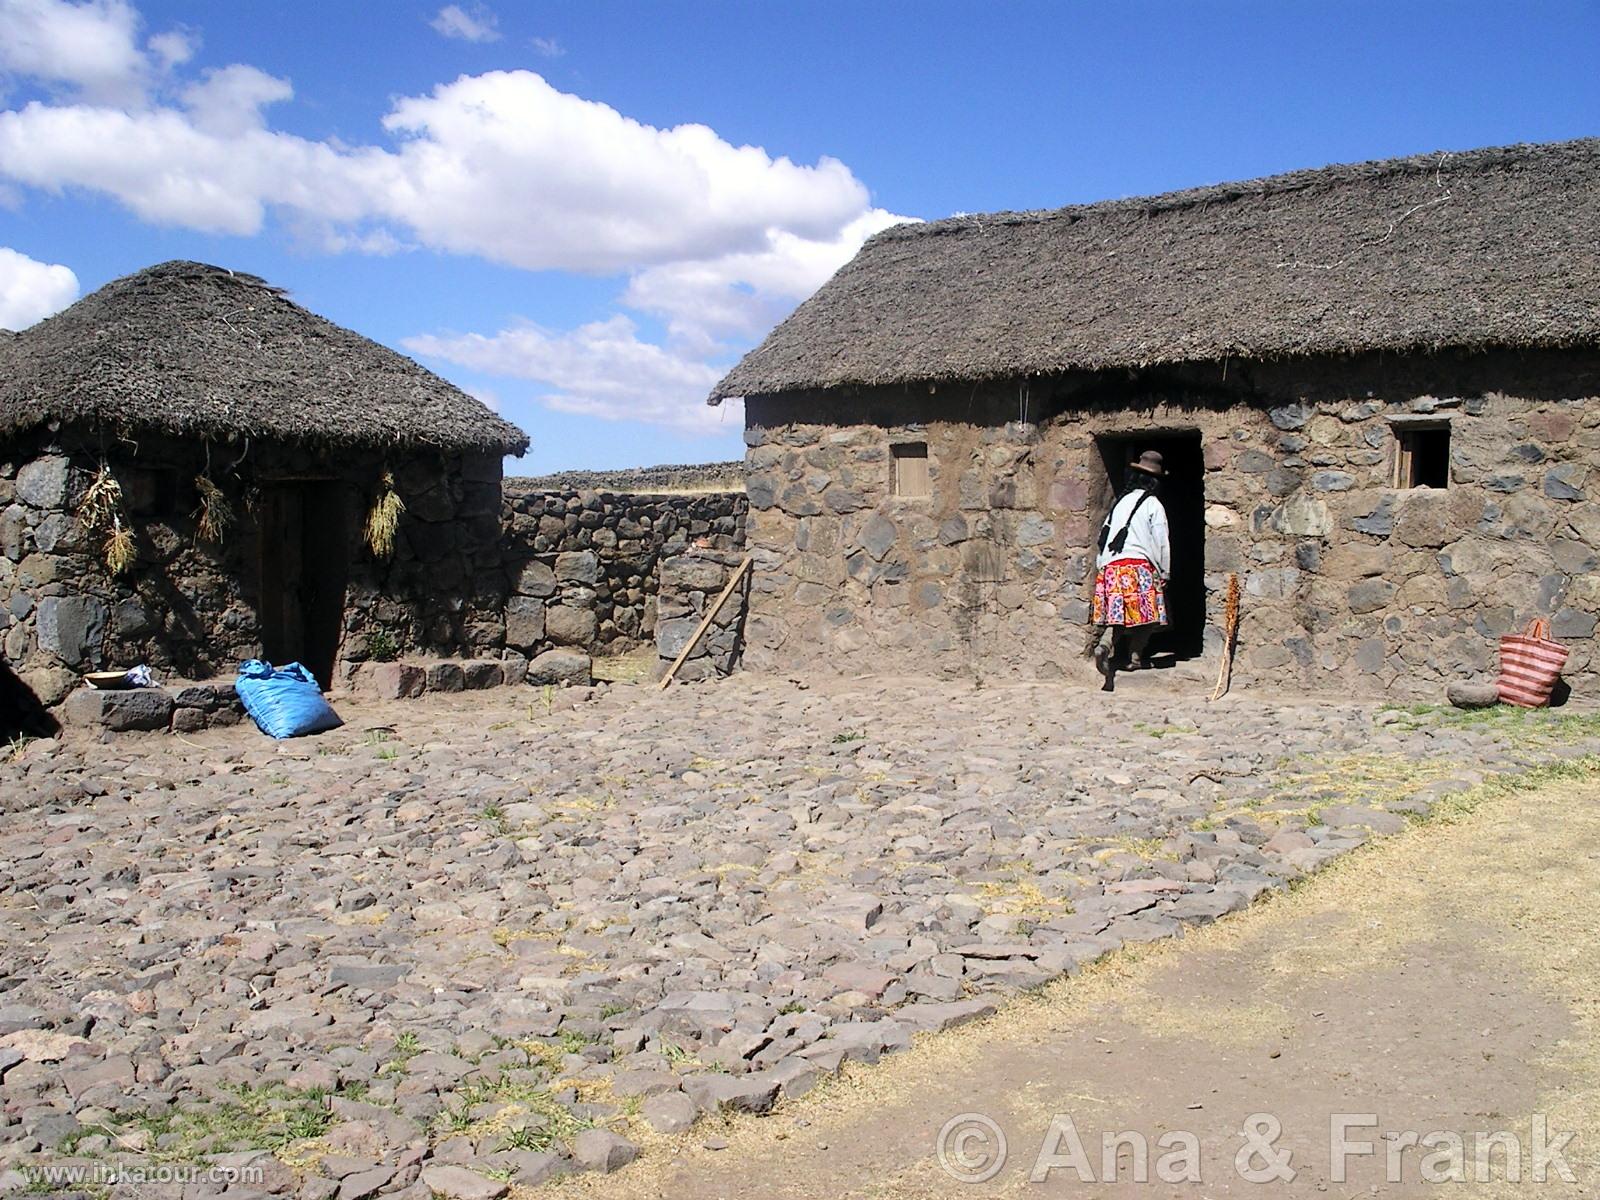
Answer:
(305, 563)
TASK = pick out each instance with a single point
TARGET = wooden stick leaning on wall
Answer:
(688, 647)
(1230, 635)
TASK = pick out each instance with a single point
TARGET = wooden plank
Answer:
(705, 622)
(1403, 470)
(911, 476)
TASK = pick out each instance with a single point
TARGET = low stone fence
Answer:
(666, 479)
(690, 583)
(185, 708)
(583, 565)
(406, 679)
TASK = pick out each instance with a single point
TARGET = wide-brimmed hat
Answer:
(1150, 463)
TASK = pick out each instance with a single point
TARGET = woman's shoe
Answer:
(1102, 660)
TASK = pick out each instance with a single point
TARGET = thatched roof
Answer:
(199, 351)
(1497, 247)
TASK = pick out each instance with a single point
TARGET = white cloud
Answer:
(479, 25)
(379, 243)
(505, 166)
(30, 290)
(605, 369)
(548, 47)
(601, 369)
(718, 241)
(228, 101)
(166, 168)
(92, 46)
(500, 165)
(743, 295)
(173, 48)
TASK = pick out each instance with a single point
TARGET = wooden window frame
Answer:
(1404, 475)
(910, 472)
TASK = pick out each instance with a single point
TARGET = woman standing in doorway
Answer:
(1131, 571)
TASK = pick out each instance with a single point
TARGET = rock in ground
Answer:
(602, 1150)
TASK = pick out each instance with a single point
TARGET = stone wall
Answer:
(476, 573)
(690, 583)
(582, 566)
(442, 593)
(661, 480)
(189, 606)
(1349, 582)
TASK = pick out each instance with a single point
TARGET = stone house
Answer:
(1375, 387)
(188, 461)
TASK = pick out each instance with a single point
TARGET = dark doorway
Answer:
(305, 564)
(22, 714)
(1183, 496)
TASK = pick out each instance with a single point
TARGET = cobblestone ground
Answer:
(470, 943)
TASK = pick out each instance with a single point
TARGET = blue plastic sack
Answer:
(286, 702)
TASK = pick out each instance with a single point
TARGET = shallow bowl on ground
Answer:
(107, 680)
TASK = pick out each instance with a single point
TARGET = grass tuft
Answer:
(250, 1118)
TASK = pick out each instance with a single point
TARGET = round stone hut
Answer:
(1374, 387)
(188, 465)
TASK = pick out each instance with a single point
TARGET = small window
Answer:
(1422, 456)
(911, 469)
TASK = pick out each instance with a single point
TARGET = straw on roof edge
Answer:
(1493, 247)
(197, 350)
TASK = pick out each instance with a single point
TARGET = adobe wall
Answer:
(1348, 582)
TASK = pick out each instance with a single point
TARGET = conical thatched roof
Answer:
(200, 351)
(1496, 247)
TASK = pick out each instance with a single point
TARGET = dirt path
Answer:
(1445, 979)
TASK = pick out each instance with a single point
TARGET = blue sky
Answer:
(584, 212)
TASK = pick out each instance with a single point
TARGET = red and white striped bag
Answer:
(1530, 664)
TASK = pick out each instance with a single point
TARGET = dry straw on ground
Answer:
(1514, 862)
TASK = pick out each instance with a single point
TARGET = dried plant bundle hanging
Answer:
(215, 514)
(119, 547)
(102, 500)
(100, 511)
(384, 519)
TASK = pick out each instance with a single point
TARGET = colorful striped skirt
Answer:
(1128, 592)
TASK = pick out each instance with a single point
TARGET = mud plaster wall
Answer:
(1348, 581)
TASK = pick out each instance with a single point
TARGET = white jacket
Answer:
(1147, 535)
